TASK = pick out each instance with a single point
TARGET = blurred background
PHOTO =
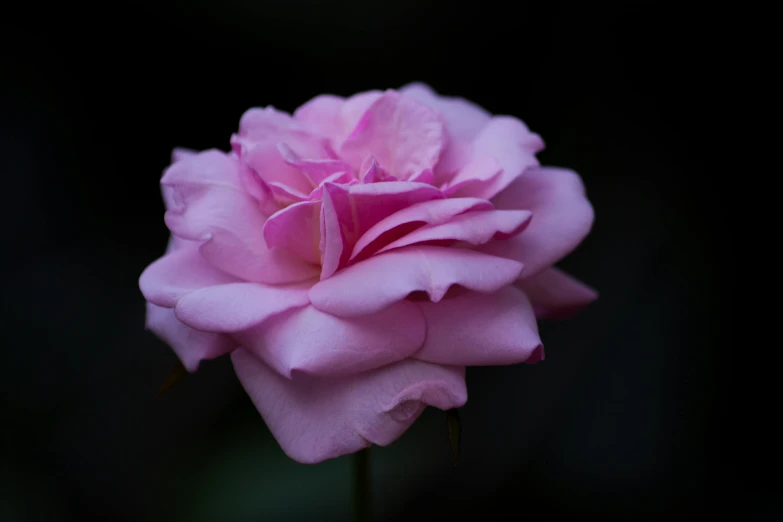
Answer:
(626, 419)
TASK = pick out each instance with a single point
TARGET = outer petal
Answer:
(318, 418)
(177, 273)
(475, 228)
(181, 153)
(213, 208)
(555, 294)
(464, 120)
(297, 229)
(191, 346)
(562, 217)
(474, 329)
(238, 306)
(309, 341)
(375, 283)
(208, 168)
(511, 144)
(404, 135)
(396, 225)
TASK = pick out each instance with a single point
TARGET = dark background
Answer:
(627, 418)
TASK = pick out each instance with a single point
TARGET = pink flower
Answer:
(355, 257)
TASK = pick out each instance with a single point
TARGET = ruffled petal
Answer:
(177, 273)
(319, 418)
(396, 225)
(404, 135)
(348, 211)
(268, 139)
(213, 208)
(238, 306)
(555, 294)
(315, 170)
(191, 346)
(473, 329)
(562, 217)
(309, 341)
(475, 228)
(375, 283)
(265, 159)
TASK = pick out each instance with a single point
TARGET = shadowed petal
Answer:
(319, 418)
(191, 346)
(475, 329)
(475, 228)
(307, 340)
(348, 211)
(433, 212)
(555, 294)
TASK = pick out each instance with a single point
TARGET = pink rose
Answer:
(355, 257)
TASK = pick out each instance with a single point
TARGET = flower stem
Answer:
(361, 486)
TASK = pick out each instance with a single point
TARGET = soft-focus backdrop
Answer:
(619, 423)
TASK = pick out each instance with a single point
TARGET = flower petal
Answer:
(315, 170)
(555, 294)
(261, 132)
(208, 168)
(562, 217)
(404, 135)
(464, 120)
(319, 418)
(238, 306)
(297, 229)
(334, 117)
(265, 159)
(191, 346)
(475, 228)
(180, 153)
(511, 144)
(214, 209)
(177, 273)
(375, 283)
(322, 115)
(481, 178)
(475, 329)
(396, 225)
(348, 211)
(309, 341)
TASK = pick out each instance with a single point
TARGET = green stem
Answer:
(361, 486)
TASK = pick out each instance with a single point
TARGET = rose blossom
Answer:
(355, 257)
